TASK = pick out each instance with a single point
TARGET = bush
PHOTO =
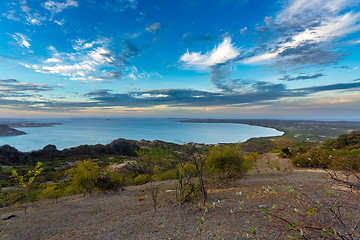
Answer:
(8, 170)
(167, 175)
(110, 180)
(142, 178)
(53, 190)
(226, 162)
(85, 175)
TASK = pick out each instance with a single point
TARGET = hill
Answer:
(5, 130)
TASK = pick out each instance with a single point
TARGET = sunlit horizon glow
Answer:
(293, 59)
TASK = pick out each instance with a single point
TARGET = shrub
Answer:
(142, 178)
(111, 180)
(8, 170)
(85, 175)
(167, 175)
(226, 162)
(53, 190)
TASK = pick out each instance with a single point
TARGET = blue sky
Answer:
(296, 59)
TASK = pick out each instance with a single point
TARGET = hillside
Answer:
(8, 131)
(123, 216)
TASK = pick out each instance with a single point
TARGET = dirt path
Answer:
(123, 216)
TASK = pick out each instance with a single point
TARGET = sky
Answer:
(278, 59)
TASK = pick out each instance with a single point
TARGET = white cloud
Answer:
(134, 74)
(81, 44)
(24, 7)
(69, 70)
(52, 60)
(33, 20)
(223, 52)
(10, 15)
(154, 28)
(298, 8)
(243, 30)
(60, 22)
(21, 39)
(101, 55)
(56, 7)
(89, 62)
(322, 22)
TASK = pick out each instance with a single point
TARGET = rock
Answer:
(10, 155)
(7, 216)
(51, 151)
(123, 147)
(131, 166)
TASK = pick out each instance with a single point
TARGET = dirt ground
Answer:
(123, 216)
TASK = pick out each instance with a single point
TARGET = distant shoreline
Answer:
(302, 130)
(8, 128)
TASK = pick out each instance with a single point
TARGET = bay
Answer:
(79, 131)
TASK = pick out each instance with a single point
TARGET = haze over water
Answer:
(75, 132)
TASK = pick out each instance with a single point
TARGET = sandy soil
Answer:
(124, 216)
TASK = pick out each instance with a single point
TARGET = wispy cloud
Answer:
(57, 7)
(252, 94)
(304, 31)
(256, 93)
(115, 6)
(301, 77)
(10, 15)
(13, 87)
(220, 54)
(243, 30)
(93, 61)
(21, 39)
(154, 28)
(332, 87)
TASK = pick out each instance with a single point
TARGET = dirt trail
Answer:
(123, 216)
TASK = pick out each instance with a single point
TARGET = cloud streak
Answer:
(220, 54)
(21, 40)
(57, 7)
(301, 77)
(304, 30)
(14, 88)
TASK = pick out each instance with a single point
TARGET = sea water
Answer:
(79, 131)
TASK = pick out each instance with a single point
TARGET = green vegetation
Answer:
(196, 169)
(226, 162)
(84, 176)
(341, 153)
(26, 182)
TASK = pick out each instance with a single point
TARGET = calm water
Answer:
(75, 132)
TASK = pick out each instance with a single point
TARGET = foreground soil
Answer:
(124, 215)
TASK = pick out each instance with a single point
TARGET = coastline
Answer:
(302, 130)
(108, 131)
(9, 128)
(75, 132)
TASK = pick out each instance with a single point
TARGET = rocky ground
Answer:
(125, 215)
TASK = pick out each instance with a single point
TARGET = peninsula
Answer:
(8, 131)
(7, 128)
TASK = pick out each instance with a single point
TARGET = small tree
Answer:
(26, 181)
(152, 158)
(186, 188)
(197, 157)
(85, 175)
